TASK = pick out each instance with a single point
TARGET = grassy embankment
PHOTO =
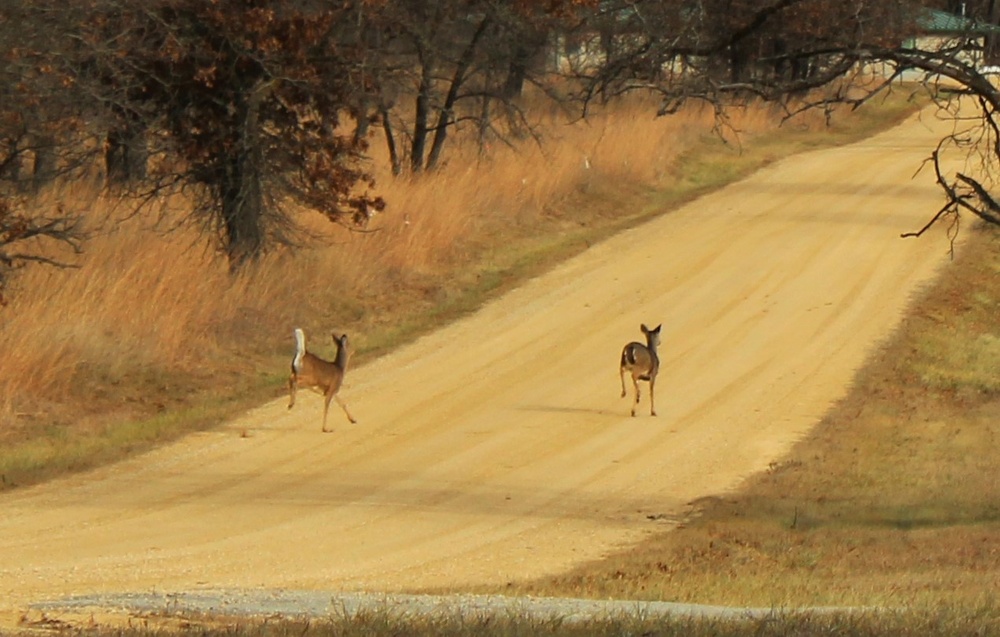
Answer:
(150, 337)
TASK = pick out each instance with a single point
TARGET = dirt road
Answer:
(499, 448)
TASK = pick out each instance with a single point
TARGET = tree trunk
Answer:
(448, 108)
(525, 54)
(125, 156)
(242, 211)
(991, 55)
(390, 141)
(362, 120)
(738, 64)
(484, 125)
(44, 171)
(421, 115)
(242, 189)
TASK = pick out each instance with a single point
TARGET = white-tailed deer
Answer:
(314, 372)
(643, 363)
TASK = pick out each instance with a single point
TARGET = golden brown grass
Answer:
(151, 336)
(891, 501)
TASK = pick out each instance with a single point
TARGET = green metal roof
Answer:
(933, 21)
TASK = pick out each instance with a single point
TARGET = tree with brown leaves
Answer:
(238, 102)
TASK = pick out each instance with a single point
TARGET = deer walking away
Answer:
(324, 376)
(643, 363)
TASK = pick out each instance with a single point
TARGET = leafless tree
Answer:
(720, 51)
(439, 66)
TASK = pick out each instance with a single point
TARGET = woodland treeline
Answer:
(251, 107)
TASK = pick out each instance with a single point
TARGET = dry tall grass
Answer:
(151, 320)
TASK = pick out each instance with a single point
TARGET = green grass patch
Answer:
(58, 449)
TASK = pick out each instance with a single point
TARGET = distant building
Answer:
(974, 41)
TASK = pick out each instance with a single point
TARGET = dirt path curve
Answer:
(498, 448)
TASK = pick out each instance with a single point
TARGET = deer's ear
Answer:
(642, 326)
(657, 329)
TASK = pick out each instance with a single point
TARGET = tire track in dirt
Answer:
(498, 448)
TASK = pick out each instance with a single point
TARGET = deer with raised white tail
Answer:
(323, 376)
(643, 363)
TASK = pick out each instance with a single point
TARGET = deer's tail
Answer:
(300, 350)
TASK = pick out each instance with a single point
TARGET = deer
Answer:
(324, 376)
(643, 363)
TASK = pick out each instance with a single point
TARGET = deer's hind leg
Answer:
(652, 408)
(292, 386)
(635, 383)
(343, 405)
